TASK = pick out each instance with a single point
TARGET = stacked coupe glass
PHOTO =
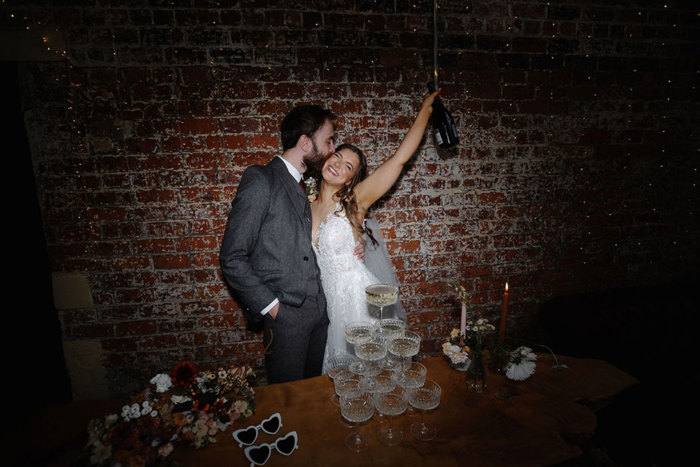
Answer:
(379, 377)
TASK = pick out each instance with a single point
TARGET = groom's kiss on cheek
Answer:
(322, 144)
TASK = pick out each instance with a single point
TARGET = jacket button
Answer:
(306, 258)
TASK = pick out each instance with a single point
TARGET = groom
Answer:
(266, 255)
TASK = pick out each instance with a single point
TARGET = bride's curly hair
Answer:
(346, 195)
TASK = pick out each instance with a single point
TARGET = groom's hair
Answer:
(303, 120)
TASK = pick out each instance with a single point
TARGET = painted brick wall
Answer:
(577, 169)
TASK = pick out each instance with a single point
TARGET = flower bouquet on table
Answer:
(454, 347)
(456, 351)
(460, 348)
(184, 407)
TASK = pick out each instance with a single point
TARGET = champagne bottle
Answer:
(444, 128)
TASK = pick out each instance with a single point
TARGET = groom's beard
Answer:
(314, 160)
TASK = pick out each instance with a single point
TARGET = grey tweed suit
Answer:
(266, 253)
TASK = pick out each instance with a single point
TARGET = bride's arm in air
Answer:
(369, 190)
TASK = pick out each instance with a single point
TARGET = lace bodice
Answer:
(336, 244)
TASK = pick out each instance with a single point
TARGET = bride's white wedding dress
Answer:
(344, 279)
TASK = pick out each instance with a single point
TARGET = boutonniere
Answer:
(311, 192)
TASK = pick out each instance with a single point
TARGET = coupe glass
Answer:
(335, 364)
(405, 346)
(381, 295)
(370, 352)
(426, 397)
(389, 404)
(357, 332)
(379, 384)
(410, 377)
(390, 329)
(357, 408)
(346, 383)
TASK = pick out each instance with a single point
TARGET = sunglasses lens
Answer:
(258, 454)
(287, 444)
(272, 424)
(246, 436)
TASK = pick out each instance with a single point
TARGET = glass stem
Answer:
(358, 436)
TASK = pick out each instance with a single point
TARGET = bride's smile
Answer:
(340, 167)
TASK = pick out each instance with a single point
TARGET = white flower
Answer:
(146, 408)
(134, 411)
(526, 353)
(179, 399)
(521, 371)
(111, 419)
(165, 450)
(126, 413)
(162, 381)
(522, 364)
(202, 382)
(454, 353)
(240, 406)
(100, 453)
(95, 432)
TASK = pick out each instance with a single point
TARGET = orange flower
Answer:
(179, 419)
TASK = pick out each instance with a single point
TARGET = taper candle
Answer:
(463, 323)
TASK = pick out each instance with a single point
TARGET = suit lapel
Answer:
(296, 195)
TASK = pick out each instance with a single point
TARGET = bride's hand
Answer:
(360, 251)
(427, 105)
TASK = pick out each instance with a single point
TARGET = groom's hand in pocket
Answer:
(273, 311)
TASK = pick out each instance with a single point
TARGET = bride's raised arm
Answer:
(368, 191)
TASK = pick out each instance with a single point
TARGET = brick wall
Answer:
(577, 169)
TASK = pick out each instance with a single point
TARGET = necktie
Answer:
(301, 184)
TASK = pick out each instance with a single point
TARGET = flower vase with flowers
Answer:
(183, 407)
(454, 347)
(476, 332)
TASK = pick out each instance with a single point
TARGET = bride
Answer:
(345, 194)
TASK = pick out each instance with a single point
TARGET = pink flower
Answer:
(165, 450)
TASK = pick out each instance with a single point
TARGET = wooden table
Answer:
(540, 421)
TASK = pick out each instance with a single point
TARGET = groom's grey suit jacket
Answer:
(266, 252)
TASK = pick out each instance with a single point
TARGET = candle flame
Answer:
(506, 286)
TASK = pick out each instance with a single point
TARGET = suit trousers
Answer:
(295, 341)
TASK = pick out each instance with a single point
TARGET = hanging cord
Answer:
(435, 44)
